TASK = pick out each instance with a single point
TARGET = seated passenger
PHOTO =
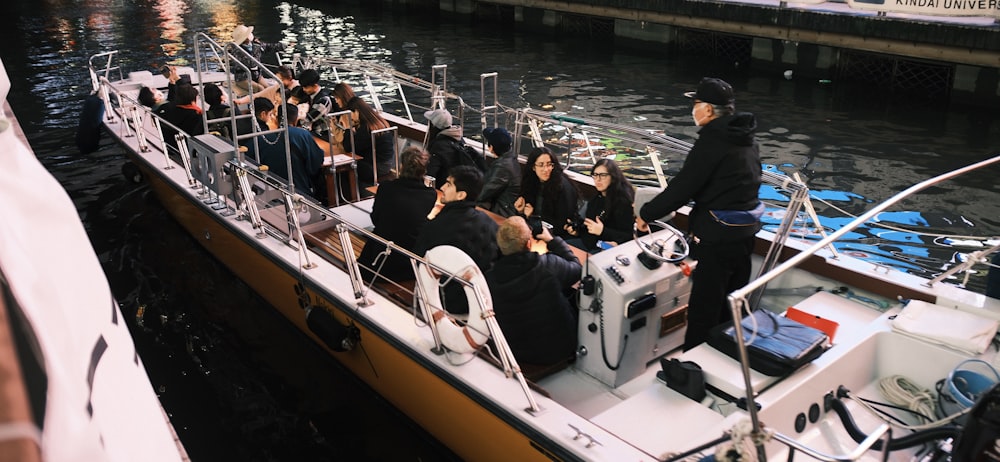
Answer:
(399, 212)
(460, 224)
(531, 309)
(382, 154)
(306, 155)
(170, 72)
(342, 93)
(184, 113)
(318, 102)
(265, 118)
(151, 98)
(609, 216)
(443, 144)
(502, 185)
(217, 109)
(546, 191)
(286, 79)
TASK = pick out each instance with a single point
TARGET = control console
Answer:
(630, 315)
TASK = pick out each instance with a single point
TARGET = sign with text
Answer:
(984, 8)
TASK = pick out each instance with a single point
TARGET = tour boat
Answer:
(606, 403)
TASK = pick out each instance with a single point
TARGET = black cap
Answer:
(713, 91)
(499, 138)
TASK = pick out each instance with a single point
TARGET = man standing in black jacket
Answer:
(722, 175)
(528, 291)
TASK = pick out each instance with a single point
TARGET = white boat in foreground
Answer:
(607, 404)
(74, 386)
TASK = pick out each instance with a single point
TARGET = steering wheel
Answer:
(656, 249)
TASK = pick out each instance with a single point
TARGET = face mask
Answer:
(697, 121)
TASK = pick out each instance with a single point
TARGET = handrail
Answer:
(738, 298)
(973, 258)
(226, 52)
(509, 362)
(436, 94)
(883, 430)
(853, 224)
(797, 199)
(644, 141)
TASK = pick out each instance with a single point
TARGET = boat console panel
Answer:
(209, 155)
(629, 315)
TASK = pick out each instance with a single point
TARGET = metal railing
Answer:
(738, 299)
(254, 190)
(598, 138)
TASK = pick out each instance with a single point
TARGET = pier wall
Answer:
(950, 58)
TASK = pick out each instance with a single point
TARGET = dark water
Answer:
(237, 381)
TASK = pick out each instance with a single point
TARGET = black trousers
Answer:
(722, 268)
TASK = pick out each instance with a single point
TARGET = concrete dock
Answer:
(951, 57)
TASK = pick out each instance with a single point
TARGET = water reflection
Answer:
(172, 28)
(853, 145)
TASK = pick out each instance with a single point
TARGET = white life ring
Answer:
(459, 338)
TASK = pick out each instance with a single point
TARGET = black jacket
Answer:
(502, 185)
(530, 308)
(444, 152)
(223, 127)
(722, 172)
(398, 213)
(187, 120)
(459, 224)
(555, 210)
(383, 151)
(617, 218)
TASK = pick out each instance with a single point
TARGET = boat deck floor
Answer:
(589, 397)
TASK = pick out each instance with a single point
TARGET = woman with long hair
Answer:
(342, 93)
(546, 192)
(382, 153)
(609, 215)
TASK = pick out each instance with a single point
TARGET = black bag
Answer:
(469, 156)
(777, 347)
(684, 377)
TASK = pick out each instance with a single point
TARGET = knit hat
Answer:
(440, 118)
(713, 91)
(499, 138)
(241, 33)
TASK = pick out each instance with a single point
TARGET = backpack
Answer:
(469, 156)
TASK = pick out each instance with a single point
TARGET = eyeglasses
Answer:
(600, 176)
(544, 165)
